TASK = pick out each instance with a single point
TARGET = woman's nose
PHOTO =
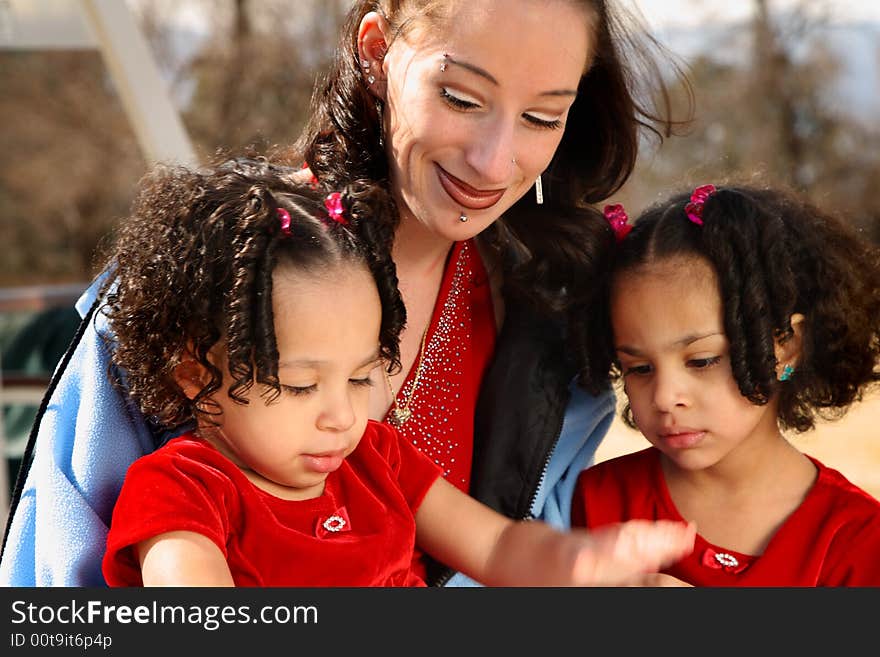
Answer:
(492, 154)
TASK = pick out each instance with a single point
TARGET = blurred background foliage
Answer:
(69, 160)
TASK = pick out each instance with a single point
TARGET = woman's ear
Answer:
(372, 46)
(788, 352)
(191, 376)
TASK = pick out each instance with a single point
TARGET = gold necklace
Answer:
(401, 414)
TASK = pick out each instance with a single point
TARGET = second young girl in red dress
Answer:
(733, 315)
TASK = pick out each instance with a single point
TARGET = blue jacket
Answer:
(535, 431)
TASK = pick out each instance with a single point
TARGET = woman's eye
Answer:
(458, 102)
(299, 390)
(543, 121)
(638, 370)
(703, 363)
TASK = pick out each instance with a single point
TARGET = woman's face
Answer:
(476, 106)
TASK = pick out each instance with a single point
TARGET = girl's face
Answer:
(670, 341)
(470, 132)
(327, 329)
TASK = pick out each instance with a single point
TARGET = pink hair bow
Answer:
(694, 209)
(333, 203)
(284, 218)
(617, 219)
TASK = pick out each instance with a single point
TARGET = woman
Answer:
(458, 107)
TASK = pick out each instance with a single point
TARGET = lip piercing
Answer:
(462, 217)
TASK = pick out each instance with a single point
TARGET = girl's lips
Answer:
(325, 463)
(465, 195)
(683, 439)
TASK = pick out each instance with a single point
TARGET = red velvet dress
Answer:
(370, 500)
(458, 347)
(831, 539)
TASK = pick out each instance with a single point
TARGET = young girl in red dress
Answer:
(733, 315)
(256, 308)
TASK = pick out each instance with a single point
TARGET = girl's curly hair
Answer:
(774, 255)
(194, 262)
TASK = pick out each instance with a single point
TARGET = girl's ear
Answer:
(191, 376)
(372, 46)
(788, 353)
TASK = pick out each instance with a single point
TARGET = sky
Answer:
(665, 13)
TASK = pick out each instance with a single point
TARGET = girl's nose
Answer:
(337, 413)
(670, 391)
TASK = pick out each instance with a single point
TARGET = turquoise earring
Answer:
(787, 371)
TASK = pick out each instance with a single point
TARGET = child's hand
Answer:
(621, 554)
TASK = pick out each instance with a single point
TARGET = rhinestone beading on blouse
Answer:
(438, 395)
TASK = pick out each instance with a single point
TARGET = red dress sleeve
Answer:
(415, 472)
(165, 491)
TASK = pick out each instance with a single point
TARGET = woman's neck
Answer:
(420, 257)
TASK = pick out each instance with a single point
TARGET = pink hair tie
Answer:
(694, 209)
(284, 218)
(333, 203)
(617, 219)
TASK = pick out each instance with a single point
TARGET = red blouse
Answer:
(831, 539)
(458, 347)
(359, 532)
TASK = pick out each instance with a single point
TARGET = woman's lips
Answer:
(465, 195)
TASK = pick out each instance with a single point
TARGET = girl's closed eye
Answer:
(299, 390)
(703, 363)
(364, 381)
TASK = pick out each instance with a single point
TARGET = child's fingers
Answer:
(618, 553)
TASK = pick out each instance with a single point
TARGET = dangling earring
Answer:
(787, 371)
(539, 191)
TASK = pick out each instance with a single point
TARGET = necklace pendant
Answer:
(401, 415)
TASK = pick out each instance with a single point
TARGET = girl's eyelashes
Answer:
(304, 390)
(703, 363)
(693, 363)
(467, 104)
(636, 369)
(299, 390)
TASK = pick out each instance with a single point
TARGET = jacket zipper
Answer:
(449, 572)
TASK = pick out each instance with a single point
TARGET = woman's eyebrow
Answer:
(483, 73)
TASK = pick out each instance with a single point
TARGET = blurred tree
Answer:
(765, 116)
(68, 162)
(254, 76)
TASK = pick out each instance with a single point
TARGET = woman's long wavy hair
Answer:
(550, 253)
(193, 266)
(773, 256)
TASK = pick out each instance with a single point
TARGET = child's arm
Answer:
(182, 558)
(497, 551)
